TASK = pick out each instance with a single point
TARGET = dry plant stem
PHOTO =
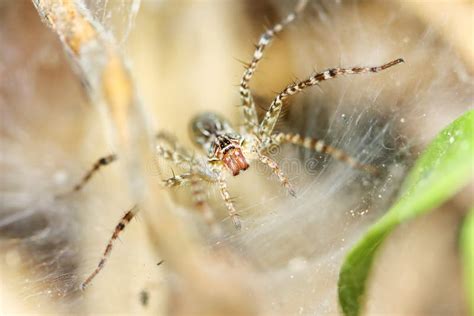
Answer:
(110, 88)
(101, 67)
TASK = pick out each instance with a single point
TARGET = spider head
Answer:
(229, 151)
(215, 135)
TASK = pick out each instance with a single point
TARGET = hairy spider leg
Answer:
(196, 182)
(164, 137)
(199, 196)
(247, 101)
(173, 156)
(104, 161)
(193, 178)
(178, 180)
(177, 157)
(228, 201)
(320, 146)
(277, 171)
(271, 117)
(180, 156)
(118, 229)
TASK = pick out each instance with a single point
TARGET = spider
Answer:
(228, 151)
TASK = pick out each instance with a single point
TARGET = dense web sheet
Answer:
(116, 16)
(41, 234)
(292, 248)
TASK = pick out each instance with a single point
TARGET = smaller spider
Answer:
(228, 151)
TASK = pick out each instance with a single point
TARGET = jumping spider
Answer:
(228, 149)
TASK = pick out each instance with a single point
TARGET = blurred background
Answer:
(184, 58)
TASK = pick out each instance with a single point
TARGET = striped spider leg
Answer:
(174, 181)
(267, 125)
(248, 104)
(126, 218)
(271, 116)
(319, 146)
(180, 156)
(101, 162)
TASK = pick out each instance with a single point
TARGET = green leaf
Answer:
(467, 248)
(442, 170)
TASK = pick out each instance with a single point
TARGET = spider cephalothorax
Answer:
(228, 149)
(222, 144)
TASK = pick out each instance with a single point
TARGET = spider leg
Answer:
(228, 201)
(186, 178)
(175, 157)
(104, 161)
(318, 145)
(271, 117)
(172, 141)
(178, 180)
(195, 179)
(118, 229)
(178, 155)
(199, 196)
(248, 104)
(277, 171)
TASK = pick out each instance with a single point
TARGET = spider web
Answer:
(38, 232)
(293, 247)
(116, 16)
